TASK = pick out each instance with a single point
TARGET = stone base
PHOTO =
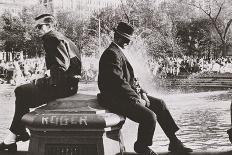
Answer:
(75, 125)
(76, 143)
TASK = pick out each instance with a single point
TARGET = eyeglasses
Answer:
(39, 26)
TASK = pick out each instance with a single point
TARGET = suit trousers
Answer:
(31, 96)
(146, 117)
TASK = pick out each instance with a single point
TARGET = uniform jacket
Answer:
(116, 77)
(62, 56)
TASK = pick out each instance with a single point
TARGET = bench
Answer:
(75, 125)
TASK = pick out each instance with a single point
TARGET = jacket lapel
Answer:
(127, 68)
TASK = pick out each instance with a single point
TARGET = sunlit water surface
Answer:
(202, 117)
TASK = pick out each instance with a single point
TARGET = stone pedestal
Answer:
(76, 125)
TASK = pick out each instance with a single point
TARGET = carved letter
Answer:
(66, 121)
(73, 120)
(57, 120)
(45, 120)
(52, 120)
(63, 121)
(83, 119)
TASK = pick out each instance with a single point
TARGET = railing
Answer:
(203, 80)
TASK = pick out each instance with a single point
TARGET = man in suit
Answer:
(64, 63)
(121, 94)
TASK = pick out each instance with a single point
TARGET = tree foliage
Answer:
(194, 36)
(17, 33)
(70, 25)
(219, 13)
(174, 27)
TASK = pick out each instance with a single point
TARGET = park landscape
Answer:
(174, 41)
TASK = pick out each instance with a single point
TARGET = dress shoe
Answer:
(143, 150)
(23, 137)
(178, 146)
(9, 147)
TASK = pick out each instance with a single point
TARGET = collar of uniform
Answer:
(47, 34)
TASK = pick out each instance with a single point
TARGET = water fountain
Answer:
(203, 117)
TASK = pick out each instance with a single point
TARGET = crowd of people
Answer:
(24, 71)
(19, 72)
(174, 66)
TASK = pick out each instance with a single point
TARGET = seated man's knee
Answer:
(18, 91)
(163, 104)
(151, 120)
(157, 103)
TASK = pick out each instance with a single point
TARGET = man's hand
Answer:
(144, 97)
(47, 73)
(41, 82)
(142, 102)
(57, 76)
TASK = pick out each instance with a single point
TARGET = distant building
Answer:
(84, 8)
(14, 6)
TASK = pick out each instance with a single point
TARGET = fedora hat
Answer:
(124, 29)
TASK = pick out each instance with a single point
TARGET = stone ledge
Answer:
(16, 153)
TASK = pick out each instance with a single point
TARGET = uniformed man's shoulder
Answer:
(54, 35)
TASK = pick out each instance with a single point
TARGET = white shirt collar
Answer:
(118, 46)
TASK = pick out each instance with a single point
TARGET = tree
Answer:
(157, 24)
(109, 17)
(32, 42)
(219, 12)
(18, 33)
(70, 25)
(169, 15)
(195, 36)
(12, 33)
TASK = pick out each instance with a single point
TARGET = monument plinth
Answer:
(75, 125)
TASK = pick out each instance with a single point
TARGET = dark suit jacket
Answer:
(116, 78)
(62, 56)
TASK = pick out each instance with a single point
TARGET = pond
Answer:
(203, 119)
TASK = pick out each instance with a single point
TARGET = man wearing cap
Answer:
(64, 63)
(121, 94)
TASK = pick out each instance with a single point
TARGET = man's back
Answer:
(62, 52)
(115, 78)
